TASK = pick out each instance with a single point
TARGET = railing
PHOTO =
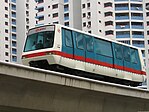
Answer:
(138, 26)
(139, 45)
(123, 36)
(121, 8)
(137, 17)
(122, 27)
(137, 36)
(66, 9)
(66, 18)
(121, 17)
(137, 8)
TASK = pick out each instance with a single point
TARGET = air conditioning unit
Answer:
(88, 26)
(88, 17)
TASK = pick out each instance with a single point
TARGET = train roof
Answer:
(96, 36)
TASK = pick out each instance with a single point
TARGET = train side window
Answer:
(133, 56)
(103, 48)
(126, 52)
(79, 40)
(68, 37)
(89, 43)
(118, 51)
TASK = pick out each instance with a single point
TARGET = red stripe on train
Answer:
(81, 58)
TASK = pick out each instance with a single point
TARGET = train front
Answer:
(39, 48)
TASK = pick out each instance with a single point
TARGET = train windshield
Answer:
(39, 40)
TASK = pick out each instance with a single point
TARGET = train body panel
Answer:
(89, 53)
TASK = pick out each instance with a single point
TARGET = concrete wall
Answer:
(31, 90)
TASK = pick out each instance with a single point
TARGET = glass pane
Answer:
(79, 40)
(39, 40)
(103, 47)
(126, 51)
(133, 56)
(118, 51)
(68, 38)
(89, 43)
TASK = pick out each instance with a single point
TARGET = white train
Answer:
(57, 47)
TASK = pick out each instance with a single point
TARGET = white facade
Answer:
(25, 20)
(15, 21)
(65, 12)
(8, 34)
(94, 19)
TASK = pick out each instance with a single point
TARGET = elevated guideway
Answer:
(25, 89)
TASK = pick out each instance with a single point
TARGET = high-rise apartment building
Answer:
(122, 20)
(25, 19)
(8, 31)
(66, 12)
(13, 27)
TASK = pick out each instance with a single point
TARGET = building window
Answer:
(40, 9)
(88, 5)
(65, 1)
(147, 32)
(66, 23)
(6, 38)
(66, 7)
(108, 14)
(6, 1)
(6, 54)
(109, 4)
(55, 15)
(40, 1)
(41, 18)
(109, 32)
(6, 23)
(84, 24)
(83, 5)
(14, 58)
(6, 8)
(54, 6)
(108, 23)
(89, 31)
(6, 46)
(6, 31)
(6, 16)
(66, 16)
(84, 15)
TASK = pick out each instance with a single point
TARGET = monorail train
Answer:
(57, 47)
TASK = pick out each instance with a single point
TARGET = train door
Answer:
(79, 50)
(127, 60)
(67, 49)
(90, 55)
(118, 57)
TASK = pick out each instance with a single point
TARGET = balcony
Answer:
(66, 9)
(121, 8)
(137, 36)
(66, 18)
(123, 36)
(137, 26)
(121, 17)
(137, 8)
(122, 26)
(139, 45)
(137, 17)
